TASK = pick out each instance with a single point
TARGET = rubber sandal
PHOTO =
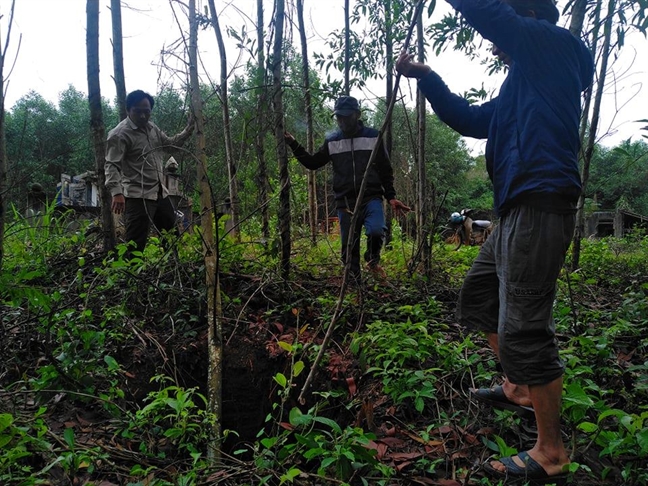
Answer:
(532, 472)
(496, 398)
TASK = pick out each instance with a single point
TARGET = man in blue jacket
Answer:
(532, 159)
(349, 149)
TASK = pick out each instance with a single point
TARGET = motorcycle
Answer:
(463, 230)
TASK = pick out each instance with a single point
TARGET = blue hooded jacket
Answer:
(532, 125)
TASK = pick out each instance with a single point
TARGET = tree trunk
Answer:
(210, 248)
(578, 13)
(282, 158)
(579, 9)
(262, 174)
(422, 230)
(347, 90)
(227, 130)
(96, 121)
(312, 186)
(591, 137)
(3, 139)
(347, 49)
(588, 95)
(389, 94)
(118, 57)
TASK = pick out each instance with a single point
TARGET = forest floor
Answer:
(162, 331)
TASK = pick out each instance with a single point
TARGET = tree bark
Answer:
(594, 49)
(389, 94)
(227, 129)
(3, 139)
(262, 173)
(579, 9)
(347, 49)
(284, 177)
(210, 248)
(310, 143)
(423, 209)
(592, 132)
(97, 126)
(118, 57)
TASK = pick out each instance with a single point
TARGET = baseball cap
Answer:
(346, 105)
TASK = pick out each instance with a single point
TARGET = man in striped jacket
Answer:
(349, 149)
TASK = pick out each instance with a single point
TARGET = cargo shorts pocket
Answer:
(529, 310)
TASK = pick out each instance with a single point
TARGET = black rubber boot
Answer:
(374, 245)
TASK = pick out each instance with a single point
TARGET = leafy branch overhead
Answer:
(370, 20)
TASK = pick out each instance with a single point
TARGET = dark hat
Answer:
(547, 10)
(346, 105)
(543, 9)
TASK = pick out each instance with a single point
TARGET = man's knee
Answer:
(530, 361)
(375, 233)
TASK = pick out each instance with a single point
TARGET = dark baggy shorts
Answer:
(510, 290)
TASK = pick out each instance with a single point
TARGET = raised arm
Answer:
(467, 119)
(310, 161)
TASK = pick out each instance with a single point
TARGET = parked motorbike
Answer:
(463, 230)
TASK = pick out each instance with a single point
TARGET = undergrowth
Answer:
(391, 404)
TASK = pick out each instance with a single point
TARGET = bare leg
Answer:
(516, 393)
(549, 450)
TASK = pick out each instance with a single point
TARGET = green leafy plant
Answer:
(310, 441)
(621, 435)
(320, 443)
(498, 444)
(19, 443)
(78, 359)
(76, 459)
(408, 358)
(175, 417)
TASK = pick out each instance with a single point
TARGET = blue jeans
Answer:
(372, 218)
